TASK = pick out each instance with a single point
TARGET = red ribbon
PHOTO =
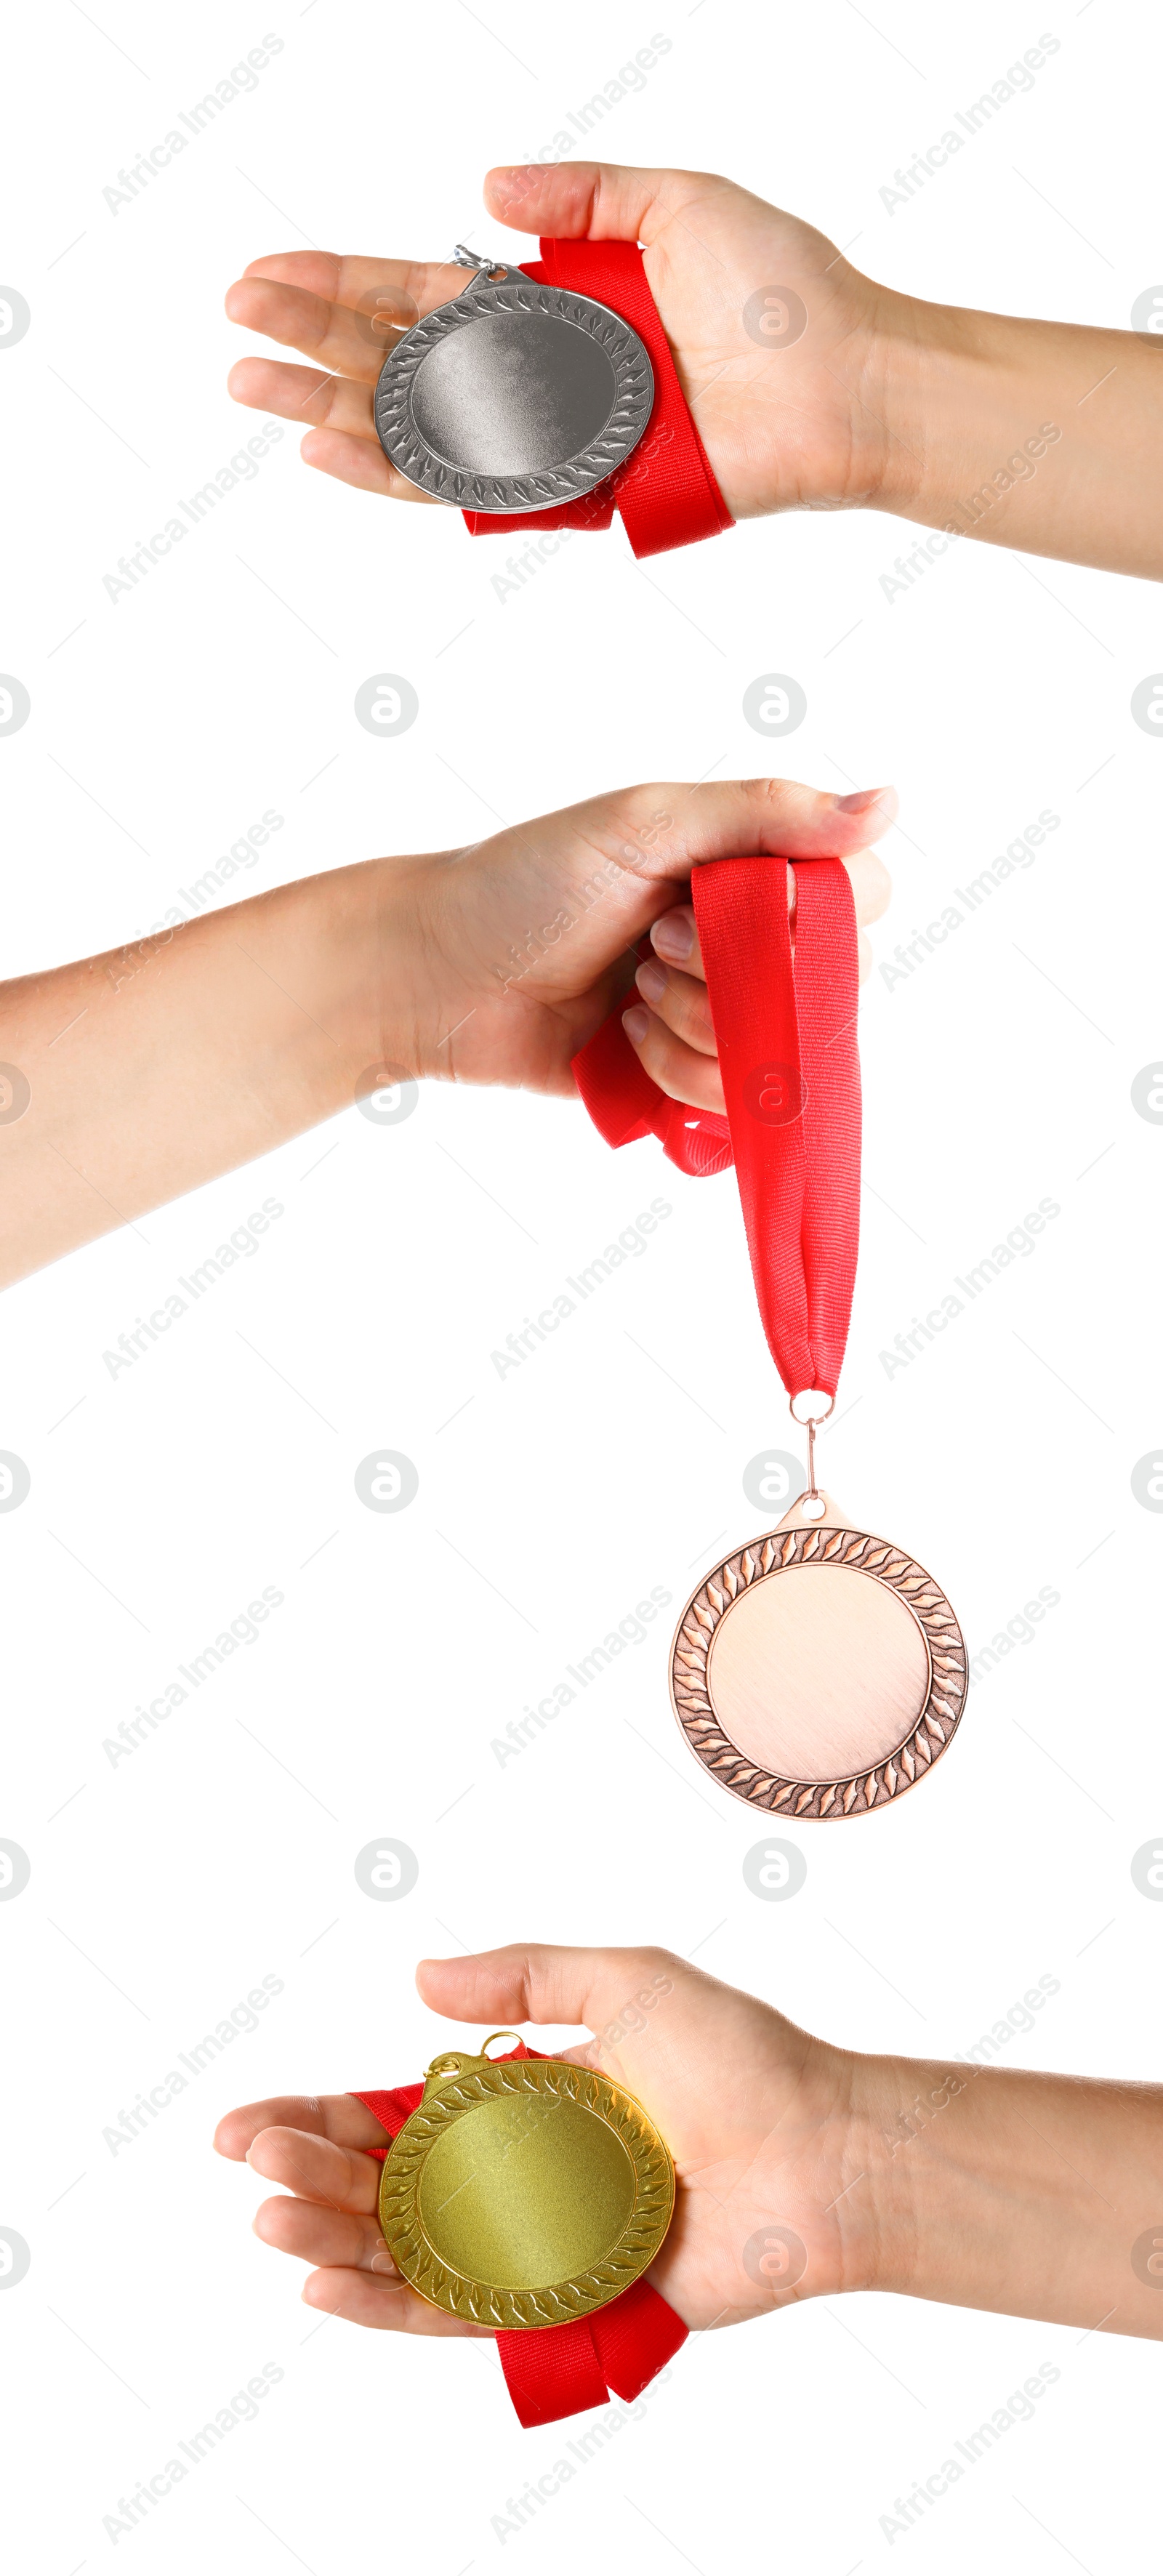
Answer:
(551, 2371)
(786, 1040)
(665, 491)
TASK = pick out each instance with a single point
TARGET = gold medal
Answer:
(524, 2191)
(818, 1672)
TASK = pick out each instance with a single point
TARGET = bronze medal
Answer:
(818, 1672)
(522, 2192)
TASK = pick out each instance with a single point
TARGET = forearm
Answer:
(1036, 435)
(1021, 2193)
(160, 1065)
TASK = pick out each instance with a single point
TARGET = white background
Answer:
(222, 1851)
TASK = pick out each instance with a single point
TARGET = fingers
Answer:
(652, 835)
(335, 279)
(348, 313)
(595, 198)
(345, 312)
(649, 837)
(674, 1039)
(871, 888)
(685, 1066)
(675, 935)
(680, 1001)
(341, 434)
(317, 2169)
(355, 461)
(301, 393)
(363, 2299)
(670, 1028)
(349, 343)
(327, 2236)
(681, 1071)
(331, 2220)
(337, 2116)
(537, 1983)
(741, 817)
(406, 287)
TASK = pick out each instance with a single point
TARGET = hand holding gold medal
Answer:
(800, 2170)
(587, 2208)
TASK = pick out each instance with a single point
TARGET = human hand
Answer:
(978, 2186)
(489, 964)
(757, 2115)
(880, 401)
(787, 424)
(521, 943)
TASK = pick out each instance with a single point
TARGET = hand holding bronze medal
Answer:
(819, 1671)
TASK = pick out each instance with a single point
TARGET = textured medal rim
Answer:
(482, 2303)
(877, 1784)
(501, 495)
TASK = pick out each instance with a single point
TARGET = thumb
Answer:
(574, 199)
(532, 1982)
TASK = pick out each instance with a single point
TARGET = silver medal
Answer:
(514, 396)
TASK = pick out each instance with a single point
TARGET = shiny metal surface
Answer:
(513, 396)
(527, 2192)
(819, 1674)
(524, 2193)
(819, 1671)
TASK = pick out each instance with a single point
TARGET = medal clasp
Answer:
(494, 271)
(812, 1503)
(464, 2061)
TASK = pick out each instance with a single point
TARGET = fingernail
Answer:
(636, 1024)
(860, 803)
(673, 937)
(651, 981)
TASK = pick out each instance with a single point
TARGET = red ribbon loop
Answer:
(665, 491)
(786, 1040)
(551, 2371)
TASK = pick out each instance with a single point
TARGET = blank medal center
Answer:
(818, 1672)
(514, 393)
(526, 2191)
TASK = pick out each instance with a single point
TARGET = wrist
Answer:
(429, 980)
(921, 380)
(895, 2107)
(950, 390)
(372, 951)
(986, 435)
(869, 2250)
(853, 2207)
(890, 359)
